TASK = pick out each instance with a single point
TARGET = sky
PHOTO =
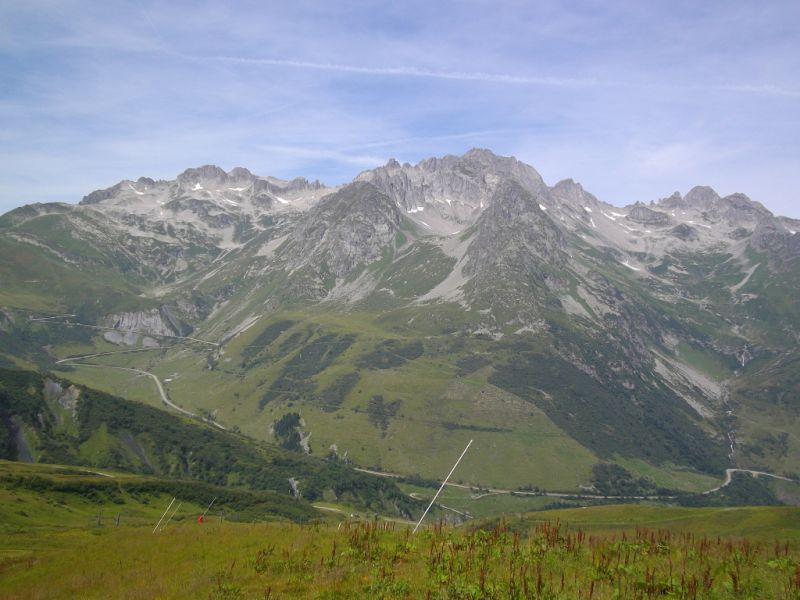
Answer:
(635, 100)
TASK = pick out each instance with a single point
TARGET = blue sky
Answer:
(633, 99)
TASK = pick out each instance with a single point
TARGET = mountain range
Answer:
(420, 306)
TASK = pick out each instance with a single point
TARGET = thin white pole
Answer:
(209, 506)
(164, 515)
(172, 515)
(444, 483)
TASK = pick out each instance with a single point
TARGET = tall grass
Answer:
(380, 559)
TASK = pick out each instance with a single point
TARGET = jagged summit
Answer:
(701, 195)
(446, 194)
(203, 173)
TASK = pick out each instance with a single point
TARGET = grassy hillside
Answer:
(45, 419)
(376, 388)
(61, 497)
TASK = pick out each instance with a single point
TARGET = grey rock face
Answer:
(647, 216)
(143, 322)
(66, 398)
(571, 192)
(674, 201)
(98, 196)
(240, 174)
(771, 237)
(516, 256)
(515, 224)
(301, 183)
(701, 196)
(347, 229)
(456, 188)
(684, 232)
(204, 173)
(737, 210)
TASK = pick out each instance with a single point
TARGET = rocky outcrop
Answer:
(685, 232)
(737, 210)
(701, 196)
(65, 398)
(773, 238)
(570, 192)
(208, 212)
(98, 196)
(515, 229)
(516, 257)
(351, 227)
(206, 173)
(6, 321)
(152, 322)
(647, 216)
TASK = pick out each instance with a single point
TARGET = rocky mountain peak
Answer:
(98, 196)
(445, 194)
(568, 190)
(515, 224)
(701, 196)
(204, 173)
(240, 174)
(739, 210)
(348, 228)
(301, 183)
(742, 203)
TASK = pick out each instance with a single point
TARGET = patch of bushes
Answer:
(391, 353)
(613, 480)
(333, 396)
(381, 413)
(287, 431)
(471, 363)
(266, 338)
(294, 381)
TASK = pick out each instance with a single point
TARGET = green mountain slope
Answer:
(45, 419)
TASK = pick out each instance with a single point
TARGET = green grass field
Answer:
(602, 553)
(90, 534)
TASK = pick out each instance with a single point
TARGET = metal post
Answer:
(164, 515)
(444, 483)
(209, 506)
(172, 515)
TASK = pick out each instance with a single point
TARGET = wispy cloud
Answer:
(634, 99)
(322, 153)
(760, 89)
(397, 71)
(680, 156)
(418, 140)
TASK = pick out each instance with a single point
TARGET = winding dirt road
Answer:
(484, 491)
(161, 392)
(729, 477)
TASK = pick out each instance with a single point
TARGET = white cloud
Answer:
(397, 71)
(682, 156)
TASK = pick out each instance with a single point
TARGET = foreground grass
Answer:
(603, 556)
